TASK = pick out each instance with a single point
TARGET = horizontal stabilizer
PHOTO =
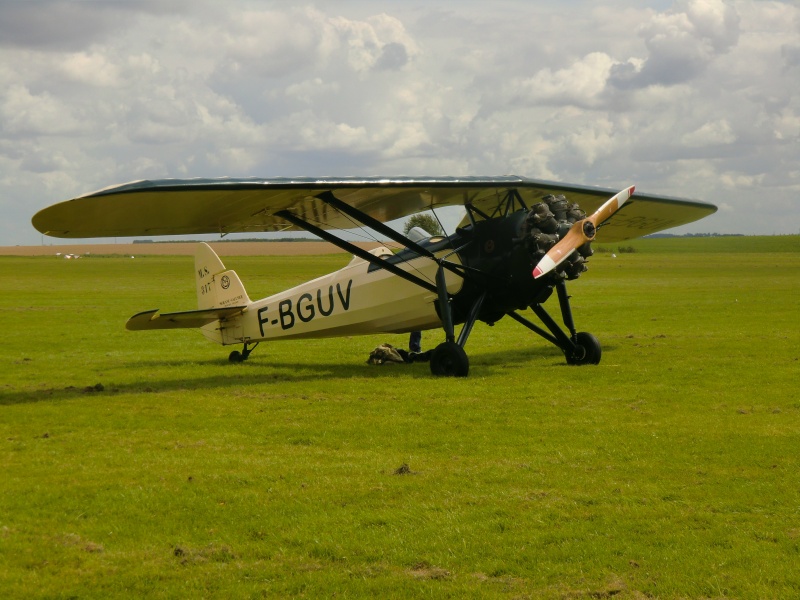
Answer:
(150, 319)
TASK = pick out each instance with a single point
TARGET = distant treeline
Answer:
(693, 235)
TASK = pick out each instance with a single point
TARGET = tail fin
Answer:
(216, 286)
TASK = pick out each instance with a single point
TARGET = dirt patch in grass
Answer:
(75, 541)
(423, 570)
(212, 552)
(403, 469)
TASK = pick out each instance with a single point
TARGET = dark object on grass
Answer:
(386, 354)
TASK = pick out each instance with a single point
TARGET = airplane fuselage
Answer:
(362, 298)
(357, 299)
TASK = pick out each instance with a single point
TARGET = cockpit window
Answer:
(434, 244)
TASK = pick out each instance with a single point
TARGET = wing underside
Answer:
(221, 206)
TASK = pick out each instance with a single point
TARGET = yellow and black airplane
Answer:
(520, 240)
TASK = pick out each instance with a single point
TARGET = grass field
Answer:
(670, 470)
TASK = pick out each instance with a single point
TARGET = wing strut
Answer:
(353, 249)
(329, 198)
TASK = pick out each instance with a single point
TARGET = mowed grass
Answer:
(670, 470)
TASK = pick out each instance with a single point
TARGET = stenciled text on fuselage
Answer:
(305, 309)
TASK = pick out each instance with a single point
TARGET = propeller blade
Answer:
(558, 253)
(611, 206)
(581, 232)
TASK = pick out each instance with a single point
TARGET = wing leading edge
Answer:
(195, 206)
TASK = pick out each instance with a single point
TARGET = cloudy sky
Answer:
(692, 98)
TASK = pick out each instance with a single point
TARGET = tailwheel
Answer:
(449, 360)
(587, 352)
(237, 357)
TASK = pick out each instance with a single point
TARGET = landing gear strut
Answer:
(237, 357)
(579, 348)
(448, 358)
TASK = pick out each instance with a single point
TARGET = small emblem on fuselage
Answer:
(226, 282)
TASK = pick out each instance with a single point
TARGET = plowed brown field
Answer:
(184, 248)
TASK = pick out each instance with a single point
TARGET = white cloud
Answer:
(90, 69)
(594, 140)
(311, 90)
(787, 125)
(270, 43)
(791, 55)
(683, 41)
(737, 181)
(377, 42)
(713, 21)
(581, 83)
(688, 98)
(711, 133)
(24, 113)
(321, 134)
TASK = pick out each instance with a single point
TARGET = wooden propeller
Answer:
(581, 232)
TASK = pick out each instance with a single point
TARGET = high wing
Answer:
(228, 205)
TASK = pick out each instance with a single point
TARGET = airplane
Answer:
(520, 240)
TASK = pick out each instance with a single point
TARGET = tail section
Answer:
(217, 287)
(221, 301)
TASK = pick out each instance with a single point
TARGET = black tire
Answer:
(589, 351)
(449, 360)
(236, 357)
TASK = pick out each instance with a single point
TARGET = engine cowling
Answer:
(546, 223)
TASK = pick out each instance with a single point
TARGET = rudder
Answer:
(217, 287)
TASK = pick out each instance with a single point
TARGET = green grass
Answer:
(670, 470)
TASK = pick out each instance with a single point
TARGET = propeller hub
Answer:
(589, 230)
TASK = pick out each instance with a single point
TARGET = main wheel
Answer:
(449, 360)
(588, 351)
(236, 357)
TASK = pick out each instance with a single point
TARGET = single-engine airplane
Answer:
(520, 240)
